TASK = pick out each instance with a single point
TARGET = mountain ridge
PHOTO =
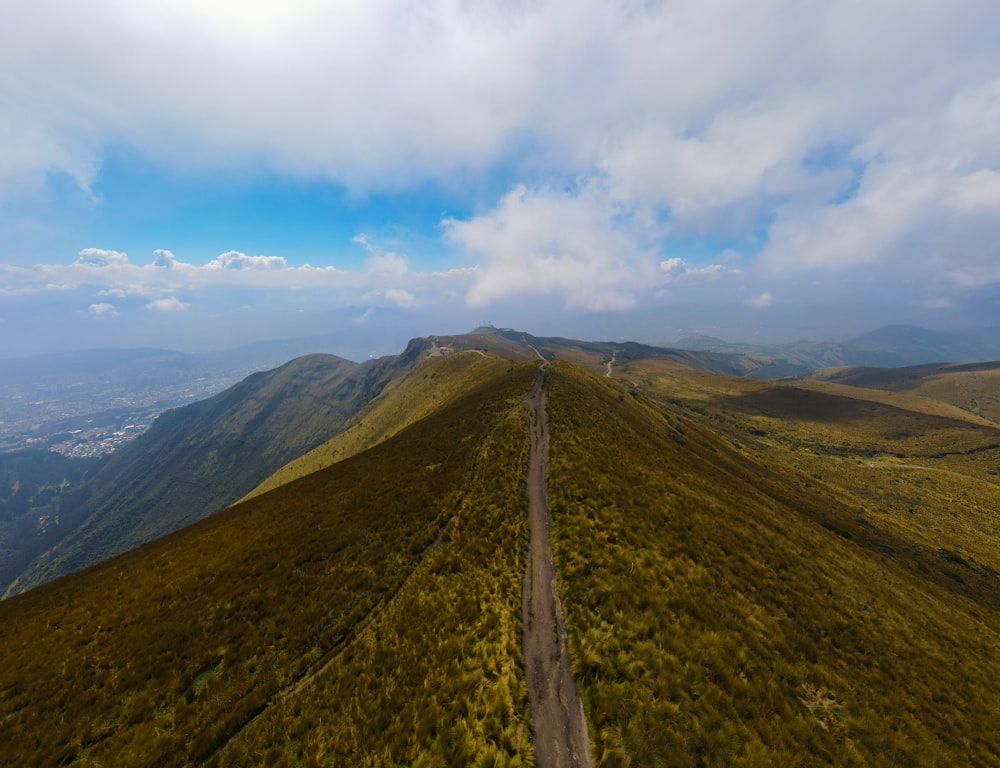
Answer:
(751, 574)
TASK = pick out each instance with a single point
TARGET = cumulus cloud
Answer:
(168, 304)
(99, 257)
(163, 258)
(569, 242)
(240, 278)
(817, 136)
(102, 309)
(236, 260)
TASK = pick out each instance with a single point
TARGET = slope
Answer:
(726, 607)
(973, 387)
(367, 613)
(197, 459)
(751, 574)
(431, 385)
(31, 485)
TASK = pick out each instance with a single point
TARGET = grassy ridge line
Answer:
(713, 624)
(200, 458)
(437, 678)
(430, 386)
(159, 655)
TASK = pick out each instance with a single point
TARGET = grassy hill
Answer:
(366, 613)
(434, 385)
(730, 604)
(198, 459)
(973, 387)
(753, 573)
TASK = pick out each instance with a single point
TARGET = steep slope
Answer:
(31, 486)
(197, 459)
(365, 614)
(428, 387)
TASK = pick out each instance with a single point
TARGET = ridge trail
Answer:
(559, 724)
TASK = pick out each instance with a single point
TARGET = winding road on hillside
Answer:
(558, 720)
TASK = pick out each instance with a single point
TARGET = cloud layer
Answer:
(858, 139)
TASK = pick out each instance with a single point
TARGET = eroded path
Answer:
(558, 722)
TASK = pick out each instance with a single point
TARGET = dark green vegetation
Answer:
(753, 573)
(200, 458)
(32, 483)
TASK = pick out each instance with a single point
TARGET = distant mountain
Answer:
(889, 347)
(196, 460)
(918, 345)
(752, 573)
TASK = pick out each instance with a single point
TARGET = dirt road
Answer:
(558, 722)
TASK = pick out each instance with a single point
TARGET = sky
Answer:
(199, 175)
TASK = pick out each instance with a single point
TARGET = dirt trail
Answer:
(558, 720)
(607, 373)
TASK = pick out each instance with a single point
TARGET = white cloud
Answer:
(978, 191)
(569, 242)
(238, 278)
(399, 297)
(102, 308)
(235, 260)
(168, 304)
(825, 135)
(163, 258)
(99, 257)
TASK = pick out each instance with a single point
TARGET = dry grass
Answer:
(162, 655)
(725, 614)
(432, 385)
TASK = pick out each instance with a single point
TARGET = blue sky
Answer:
(195, 175)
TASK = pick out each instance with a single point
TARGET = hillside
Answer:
(432, 386)
(752, 573)
(32, 483)
(891, 346)
(738, 598)
(973, 387)
(198, 459)
(381, 595)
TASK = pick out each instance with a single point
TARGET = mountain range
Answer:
(753, 572)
